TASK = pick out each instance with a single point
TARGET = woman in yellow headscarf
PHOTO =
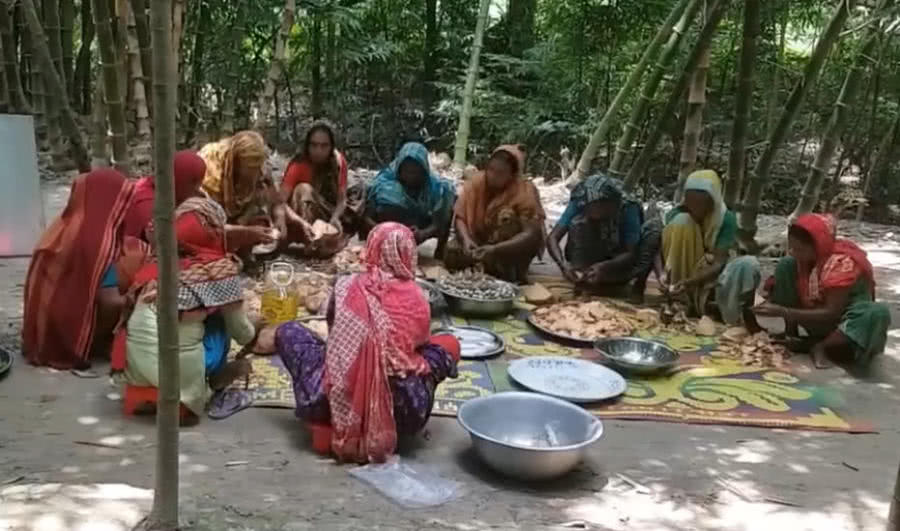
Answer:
(697, 241)
(234, 178)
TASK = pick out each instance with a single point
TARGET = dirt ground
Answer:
(255, 470)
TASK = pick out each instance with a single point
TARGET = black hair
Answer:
(318, 126)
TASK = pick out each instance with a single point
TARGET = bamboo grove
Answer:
(800, 95)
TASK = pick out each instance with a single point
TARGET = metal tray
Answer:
(556, 335)
(575, 380)
(474, 354)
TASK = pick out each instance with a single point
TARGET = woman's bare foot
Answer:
(820, 357)
(231, 372)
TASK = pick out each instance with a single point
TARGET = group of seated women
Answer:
(92, 285)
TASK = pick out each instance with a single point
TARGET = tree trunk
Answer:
(4, 90)
(142, 28)
(115, 107)
(430, 59)
(760, 175)
(653, 49)
(67, 21)
(99, 130)
(465, 113)
(231, 91)
(197, 72)
(276, 66)
(809, 198)
(693, 123)
(623, 146)
(743, 106)
(330, 54)
(164, 515)
(56, 89)
(315, 65)
(696, 55)
(35, 82)
(120, 30)
(81, 89)
(17, 100)
(881, 163)
(772, 105)
(520, 25)
(144, 148)
(53, 29)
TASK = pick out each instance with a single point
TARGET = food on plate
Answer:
(583, 320)
(320, 229)
(705, 327)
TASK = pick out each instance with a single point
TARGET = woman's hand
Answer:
(768, 309)
(257, 235)
(570, 274)
(469, 247)
(484, 252)
(335, 221)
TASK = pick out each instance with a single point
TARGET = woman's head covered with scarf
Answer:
(813, 242)
(234, 166)
(598, 197)
(703, 201)
(380, 317)
(189, 170)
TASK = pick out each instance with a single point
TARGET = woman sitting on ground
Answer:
(609, 244)
(827, 286)
(407, 192)
(315, 181)
(80, 270)
(234, 179)
(189, 172)
(210, 310)
(696, 243)
(499, 219)
(374, 378)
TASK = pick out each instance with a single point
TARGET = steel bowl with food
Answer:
(477, 295)
(529, 436)
(636, 355)
(435, 298)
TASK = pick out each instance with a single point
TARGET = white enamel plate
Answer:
(570, 379)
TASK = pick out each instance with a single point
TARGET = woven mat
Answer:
(704, 389)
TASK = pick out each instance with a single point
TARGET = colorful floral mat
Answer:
(704, 389)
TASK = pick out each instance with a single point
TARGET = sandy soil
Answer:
(255, 470)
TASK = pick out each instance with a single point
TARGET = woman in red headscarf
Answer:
(376, 375)
(72, 301)
(210, 310)
(189, 172)
(827, 286)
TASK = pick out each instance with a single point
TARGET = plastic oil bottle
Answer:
(279, 298)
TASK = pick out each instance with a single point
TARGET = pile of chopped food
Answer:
(313, 289)
(585, 320)
(477, 286)
(756, 350)
(349, 260)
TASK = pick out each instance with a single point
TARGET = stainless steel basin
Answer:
(529, 436)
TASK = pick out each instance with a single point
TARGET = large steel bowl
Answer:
(478, 307)
(529, 436)
(435, 298)
(635, 355)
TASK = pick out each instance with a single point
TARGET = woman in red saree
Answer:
(77, 272)
(375, 377)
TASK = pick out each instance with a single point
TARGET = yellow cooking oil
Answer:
(279, 300)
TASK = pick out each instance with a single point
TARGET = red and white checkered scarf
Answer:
(381, 316)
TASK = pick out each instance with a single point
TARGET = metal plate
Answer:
(476, 342)
(574, 380)
(6, 361)
(556, 335)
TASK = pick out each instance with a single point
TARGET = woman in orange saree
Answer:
(80, 267)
